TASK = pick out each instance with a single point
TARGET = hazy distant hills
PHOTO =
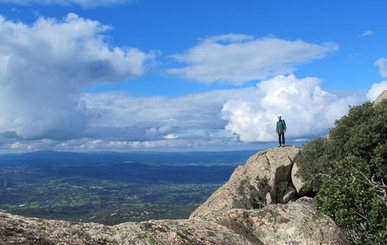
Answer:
(232, 158)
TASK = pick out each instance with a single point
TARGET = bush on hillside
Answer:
(363, 133)
(315, 161)
(356, 202)
(348, 171)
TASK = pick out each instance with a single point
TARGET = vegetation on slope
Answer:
(348, 171)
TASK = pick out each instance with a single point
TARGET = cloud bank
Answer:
(127, 123)
(44, 68)
(237, 59)
(222, 119)
(129, 118)
(214, 120)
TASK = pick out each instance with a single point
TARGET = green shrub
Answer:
(352, 200)
(314, 161)
(363, 133)
(348, 171)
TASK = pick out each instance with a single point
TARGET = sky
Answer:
(192, 75)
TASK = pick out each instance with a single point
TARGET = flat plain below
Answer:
(112, 188)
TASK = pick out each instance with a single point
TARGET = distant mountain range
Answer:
(231, 158)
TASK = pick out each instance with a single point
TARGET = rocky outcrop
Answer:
(265, 179)
(294, 223)
(230, 215)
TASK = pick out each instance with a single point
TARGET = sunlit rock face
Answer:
(266, 178)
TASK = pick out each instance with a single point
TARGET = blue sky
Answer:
(122, 75)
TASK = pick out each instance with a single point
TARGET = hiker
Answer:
(281, 129)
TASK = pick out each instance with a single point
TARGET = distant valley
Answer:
(112, 188)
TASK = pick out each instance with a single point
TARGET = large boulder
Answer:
(264, 179)
(294, 223)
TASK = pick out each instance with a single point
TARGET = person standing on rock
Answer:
(281, 129)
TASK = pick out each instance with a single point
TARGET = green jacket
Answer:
(281, 125)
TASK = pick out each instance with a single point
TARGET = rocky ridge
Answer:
(249, 209)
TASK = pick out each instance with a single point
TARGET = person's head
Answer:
(279, 117)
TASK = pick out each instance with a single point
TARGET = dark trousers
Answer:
(281, 135)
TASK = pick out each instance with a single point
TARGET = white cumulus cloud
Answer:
(45, 66)
(236, 59)
(382, 63)
(308, 110)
